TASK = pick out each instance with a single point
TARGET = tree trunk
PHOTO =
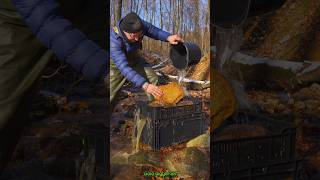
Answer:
(290, 29)
(161, 23)
(118, 10)
(262, 73)
(201, 69)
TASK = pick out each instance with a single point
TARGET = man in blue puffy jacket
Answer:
(73, 30)
(126, 61)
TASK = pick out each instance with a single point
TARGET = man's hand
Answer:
(174, 39)
(153, 89)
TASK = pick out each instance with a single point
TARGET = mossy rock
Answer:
(201, 141)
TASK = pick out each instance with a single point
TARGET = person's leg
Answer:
(22, 59)
(117, 80)
(153, 79)
(151, 75)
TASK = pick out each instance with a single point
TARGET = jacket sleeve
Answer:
(120, 59)
(68, 43)
(154, 32)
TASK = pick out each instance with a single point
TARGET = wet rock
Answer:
(120, 158)
(189, 162)
(141, 157)
(200, 141)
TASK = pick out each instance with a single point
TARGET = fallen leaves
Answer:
(304, 100)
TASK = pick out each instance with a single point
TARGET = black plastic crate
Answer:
(282, 170)
(243, 155)
(166, 126)
(95, 141)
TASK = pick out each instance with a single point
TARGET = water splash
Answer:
(181, 75)
(138, 128)
(228, 43)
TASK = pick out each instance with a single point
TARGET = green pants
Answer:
(117, 80)
(22, 60)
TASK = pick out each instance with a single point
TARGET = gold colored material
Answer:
(172, 93)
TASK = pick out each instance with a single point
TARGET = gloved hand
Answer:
(153, 90)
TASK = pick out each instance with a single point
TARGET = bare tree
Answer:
(188, 18)
(118, 10)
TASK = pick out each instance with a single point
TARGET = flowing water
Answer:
(228, 43)
(138, 127)
(181, 75)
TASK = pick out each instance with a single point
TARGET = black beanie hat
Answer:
(131, 23)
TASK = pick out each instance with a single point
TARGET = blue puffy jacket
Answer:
(119, 47)
(68, 43)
